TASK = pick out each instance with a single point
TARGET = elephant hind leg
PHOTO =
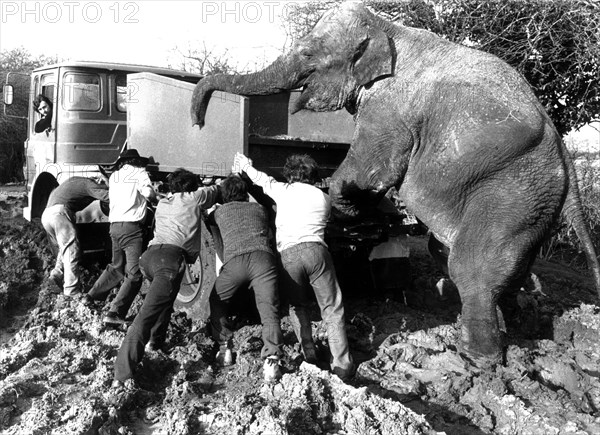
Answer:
(483, 264)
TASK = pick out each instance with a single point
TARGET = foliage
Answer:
(565, 245)
(13, 132)
(554, 44)
(19, 59)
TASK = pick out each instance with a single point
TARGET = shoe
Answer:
(57, 278)
(345, 374)
(155, 346)
(224, 357)
(120, 392)
(75, 296)
(87, 300)
(271, 369)
(112, 318)
(310, 355)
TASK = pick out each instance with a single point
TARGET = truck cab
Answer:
(88, 126)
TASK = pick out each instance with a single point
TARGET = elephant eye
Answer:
(305, 51)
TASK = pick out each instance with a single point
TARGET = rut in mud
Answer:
(56, 361)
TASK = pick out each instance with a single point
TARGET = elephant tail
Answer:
(573, 212)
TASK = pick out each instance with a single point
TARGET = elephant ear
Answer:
(373, 57)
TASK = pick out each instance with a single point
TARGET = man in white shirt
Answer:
(129, 187)
(302, 213)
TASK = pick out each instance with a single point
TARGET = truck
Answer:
(102, 108)
(88, 130)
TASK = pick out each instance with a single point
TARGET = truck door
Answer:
(40, 148)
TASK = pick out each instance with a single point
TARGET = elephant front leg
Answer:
(377, 160)
(348, 189)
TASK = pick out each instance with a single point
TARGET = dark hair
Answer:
(182, 180)
(132, 161)
(39, 99)
(233, 188)
(301, 168)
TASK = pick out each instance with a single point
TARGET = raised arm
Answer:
(241, 163)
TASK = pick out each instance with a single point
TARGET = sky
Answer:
(145, 32)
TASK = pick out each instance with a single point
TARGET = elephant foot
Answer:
(480, 361)
(481, 346)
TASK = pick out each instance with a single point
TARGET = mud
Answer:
(56, 361)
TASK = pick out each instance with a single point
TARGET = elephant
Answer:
(456, 130)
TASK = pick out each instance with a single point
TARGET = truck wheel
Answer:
(198, 280)
(191, 282)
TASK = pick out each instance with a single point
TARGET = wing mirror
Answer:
(9, 93)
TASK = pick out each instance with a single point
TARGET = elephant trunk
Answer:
(281, 75)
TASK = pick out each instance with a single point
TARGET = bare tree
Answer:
(204, 60)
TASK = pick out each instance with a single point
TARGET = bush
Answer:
(565, 246)
(11, 162)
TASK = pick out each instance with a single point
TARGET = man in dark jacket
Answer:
(58, 220)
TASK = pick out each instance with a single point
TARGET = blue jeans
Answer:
(127, 242)
(257, 269)
(309, 267)
(164, 266)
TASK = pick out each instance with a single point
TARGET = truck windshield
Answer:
(81, 92)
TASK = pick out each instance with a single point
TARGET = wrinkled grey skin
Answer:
(459, 131)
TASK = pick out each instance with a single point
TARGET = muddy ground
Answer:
(56, 361)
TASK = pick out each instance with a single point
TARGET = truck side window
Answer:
(43, 103)
(121, 90)
(81, 92)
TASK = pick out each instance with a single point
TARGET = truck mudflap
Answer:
(43, 185)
